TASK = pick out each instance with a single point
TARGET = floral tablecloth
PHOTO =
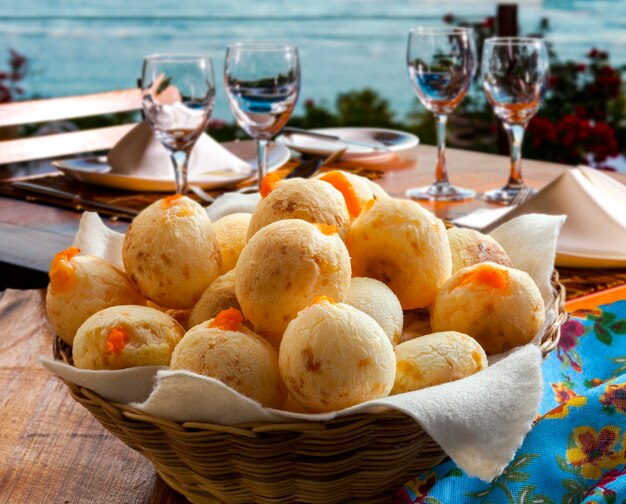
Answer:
(576, 453)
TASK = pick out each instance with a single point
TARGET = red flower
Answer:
(553, 80)
(570, 331)
(309, 103)
(449, 18)
(580, 67)
(593, 53)
(582, 112)
(488, 22)
(615, 395)
(542, 131)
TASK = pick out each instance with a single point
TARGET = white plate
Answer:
(573, 260)
(96, 171)
(395, 141)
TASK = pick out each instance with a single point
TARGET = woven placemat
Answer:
(582, 282)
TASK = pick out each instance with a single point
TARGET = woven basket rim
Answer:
(62, 352)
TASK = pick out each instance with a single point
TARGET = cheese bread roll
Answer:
(499, 307)
(333, 356)
(81, 285)
(307, 199)
(232, 234)
(379, 302)
(436, 358)
(224, 349)
(171, 252)
(470, 247)
(402, 245)
(284, 267)
(218, 296)
(356, 190)
(126, 336)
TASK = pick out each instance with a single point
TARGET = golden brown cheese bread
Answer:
(435, 359)
(499, 307)
(224, 349)
(356, 190)
(171, 252)
(284, 267)
(126, 336)
(218, 296)
(232, 234)
(470, 247)
(379, 302)
(310, 200)
(333, 356)
(81, 285)
(402, 245)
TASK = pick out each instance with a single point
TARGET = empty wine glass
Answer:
(178, 96)
(515, 73)
(262, 81)
(441, 63)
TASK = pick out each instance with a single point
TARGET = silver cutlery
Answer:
(288, 131)
(76, 199)
(524, 194)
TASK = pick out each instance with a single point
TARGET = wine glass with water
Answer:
(441, 63)
(515, 73)
(262, 81)
(178, 96)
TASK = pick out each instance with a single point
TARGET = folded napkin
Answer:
(479, 421)
(595, 204)
(141, 154)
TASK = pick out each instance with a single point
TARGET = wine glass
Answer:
(178, 95)
(515, 73)
(262, 81)
(441, 63)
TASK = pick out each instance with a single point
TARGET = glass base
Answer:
(509, 195)
(440, 192)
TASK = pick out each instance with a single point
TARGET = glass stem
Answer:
(515, 132)
(441, 173)
(261, 146)
(180, 161)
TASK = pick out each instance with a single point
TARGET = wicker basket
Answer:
(362, 457)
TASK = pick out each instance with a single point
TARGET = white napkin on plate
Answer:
(141, 154)
(595, 204)
(232, 202)
(479, 421)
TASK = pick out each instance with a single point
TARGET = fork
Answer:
(524, 194)
(304, 170)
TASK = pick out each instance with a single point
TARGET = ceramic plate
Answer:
(573, 260)
(96, 171)
(395, 141)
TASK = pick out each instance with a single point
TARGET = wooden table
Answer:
(54, 451)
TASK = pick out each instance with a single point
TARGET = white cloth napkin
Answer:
(231, 202)
(479, 421)
(140, 153)
(595, 205)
